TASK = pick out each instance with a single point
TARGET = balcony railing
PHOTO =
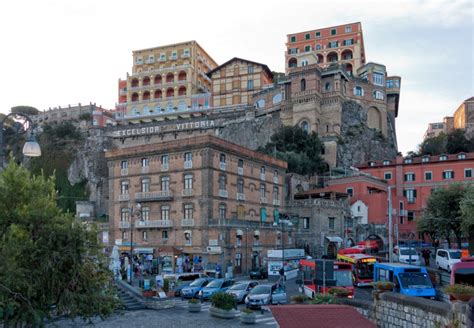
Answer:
(153, 224)
(263, 200)
(275, 179)
(123, 197)
(222, 166)
(240, 196)
(124, 172)
(154, 195)
(262, 176)
(124, 225)
(411, 200)
(223, 193)
(188, 164)
(187, 192)
(165, 167)
(403, 213)
(276, 202)
(187, 222)
(240, 171)
(145, 169)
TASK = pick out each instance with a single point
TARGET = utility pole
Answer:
(390, 226)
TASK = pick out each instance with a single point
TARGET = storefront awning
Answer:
(334, 239)
(256, 233)
(143, 250)
(239, 232)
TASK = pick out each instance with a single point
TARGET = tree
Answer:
(51, 265)
(25, 110)
(467, 210)
(457, 142)
(300, 149)
(433, 146)
(427, 225)
(444, 207)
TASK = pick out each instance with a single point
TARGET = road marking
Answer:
(264, 319)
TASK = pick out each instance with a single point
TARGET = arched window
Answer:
(170, 92)
(134, 96)
(134, 83)
(305, 126)
(158, 94)
(292, 62)
(182, 91)
(169, 78)
(377, 94)
(260, 103)
(146, 95)
(277, 98)
(320, 58)
(318, 47)
(182, 76)
(327, 86)
(146, 81)
(358, 91)
(157, 79)
(332, 57)
(304, 62)
(303, 84)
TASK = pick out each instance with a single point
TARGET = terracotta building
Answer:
(464, 116)
(199, 196)
(165, 80)
(234, 82)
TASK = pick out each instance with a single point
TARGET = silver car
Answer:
(241, 290)
(263, 295)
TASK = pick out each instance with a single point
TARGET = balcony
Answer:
(222, 166)
(223, 193)
(263, 200)
(165, 167)
(240, 171)
(123, 172)
(185, 55)
(145, 169)
(187, 193)
(403, 213)
(240, 196)
(187, 222)
(173, 57)
(276, 202)
(411, 200)
(275, 179)
(124, 198)
(154, 195)
(262, 176)
(163, 59)
(124, 225)
(153, 224)
(188, 164)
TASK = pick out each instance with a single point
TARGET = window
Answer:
(305, 126)
(262, 170)
(124, 187)
(410, 216)
(318, 34)
(145, 211)
(250, 85)
(348, 42)
(462, 156)
(222, 211)
(124, 214)
(425, 159)
(263, 214)
(165, 212)
(222, 182)
(333, 31)
(302, 85)
(165, 183)
(124, 235)
(331, 223)
(164, 235)
(188, 238)
(428, 176)
(145, 185)
(262, 190)
(250, 69)
(408, 161)
(443, 158)
(327, 86)
(240, 163)
(307, 48)
(307, 36)
(240, 186)
(410, 177)
(386, 162)
(348, 29)
(305, 223)
(387, 176)
(350, 191)
(333, 44)
(276, 194)
(188, 181)
(358, 91)
(222, 158)
(124, 165)
(318, 47)
(410, 194)
(377, 94)
(468, 173)
(293, 39)
(304, 62)
(188, 157)
(448, 175)
(188, 211)
(377, 78)
(145, 162)
(165, 159)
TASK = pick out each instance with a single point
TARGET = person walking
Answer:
(426, 256)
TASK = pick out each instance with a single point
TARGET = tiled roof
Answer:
(319, 316)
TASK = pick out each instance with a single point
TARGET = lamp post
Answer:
(282, 224)
(24, 123)
(133, 213)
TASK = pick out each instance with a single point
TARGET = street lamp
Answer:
(24, 124)
(282, 223)
(134, 212)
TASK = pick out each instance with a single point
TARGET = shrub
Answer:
(299, 298)
(223, 301)
(193, 301)
(247, 311)
(323, 299)
(166, 285)
(383, 285)
(460, 289)
(339, 292)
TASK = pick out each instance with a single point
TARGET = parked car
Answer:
(241, 290)
(192, 291)
(259, 273)
(182, 280)
(446, 258)
(265, 295)
(406, 255)
(217, 285)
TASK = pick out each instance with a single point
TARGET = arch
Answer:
(374, 118)
(320, 58)
(332, 57)
(317, 47)
(302, 85)
(134, 83)
(182, 76)
(146, 95)
(346, 54)
(292, 62)
(305, 126)
(277, 98)
(146, 81)
(260, 103)
(349, 68)
(158, 94)
(170, 92)
(134, 96)
(182, 91)
(331, 251)
(158, 79)
(169, 78)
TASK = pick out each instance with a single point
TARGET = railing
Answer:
(124, 225)
(145, 169)
(275, 179)
(185, 55)
(123, 197)
(262, 176)
(164, 69)
(263, 200)
(124, 172)
(153, 224)
(187, 192)
(165, 167)
(187, 222)
(276, 202)
(240, 171)
(154, 195)
(403, 212)
(188, 164)
(222, 166)
(238, 223)
(411, 200)
(240, 196)
(223, 193)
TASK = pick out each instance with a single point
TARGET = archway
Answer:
(292, 62)
(331, 251)
(374, 118)
(332, 57)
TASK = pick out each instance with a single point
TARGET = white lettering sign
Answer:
(159, 128)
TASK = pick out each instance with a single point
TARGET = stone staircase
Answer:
(130, 302)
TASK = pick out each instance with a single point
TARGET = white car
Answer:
(445, 258)
(406, 255)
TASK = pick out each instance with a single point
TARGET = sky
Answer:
(60, 52)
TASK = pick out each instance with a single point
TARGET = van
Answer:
(406, 255)
(181, 280)
(408, 279)
(446, 258)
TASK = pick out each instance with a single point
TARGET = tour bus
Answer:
(362, 267)
(337, 274)
(408, 279)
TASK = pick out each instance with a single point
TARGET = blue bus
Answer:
(408, 279)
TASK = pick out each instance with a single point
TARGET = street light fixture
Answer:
(24, 124)
(134, 212)
(282, 223)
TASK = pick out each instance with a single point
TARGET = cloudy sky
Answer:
(59, 52)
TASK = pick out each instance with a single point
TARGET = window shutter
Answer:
(413, 177)
(404, 192)
(452, 174)
(405, 178)
(414, 193)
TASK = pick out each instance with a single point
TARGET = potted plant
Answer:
(299, 299)
(194, 305)
(339, 292)
(381, 287)
(460, 292)
(223, 306)
(323, 299)
(166, 288)
(248, 317)
(149, 293)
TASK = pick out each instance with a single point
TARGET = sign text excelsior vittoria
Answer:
(164, 128)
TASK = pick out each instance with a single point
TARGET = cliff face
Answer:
(358, 143)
